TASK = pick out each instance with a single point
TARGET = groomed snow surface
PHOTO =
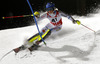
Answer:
(74, 44)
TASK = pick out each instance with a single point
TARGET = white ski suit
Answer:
(55, 21)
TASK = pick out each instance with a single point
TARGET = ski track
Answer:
(72, 45)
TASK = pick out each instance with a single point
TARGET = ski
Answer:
(31, 49)
(6, 54)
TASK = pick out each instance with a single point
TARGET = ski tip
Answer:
(5, 55)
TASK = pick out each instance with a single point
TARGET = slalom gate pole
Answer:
(35, 21)
(17, 16)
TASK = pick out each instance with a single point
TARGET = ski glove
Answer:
(37, 14)
(77, 21)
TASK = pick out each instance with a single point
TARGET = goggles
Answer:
(49, 9)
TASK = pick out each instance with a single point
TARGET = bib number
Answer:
(54, 20)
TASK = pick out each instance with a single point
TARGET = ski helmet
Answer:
(50, 6)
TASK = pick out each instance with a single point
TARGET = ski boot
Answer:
(16, 50)
(34, 46)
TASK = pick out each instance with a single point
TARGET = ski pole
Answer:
(79, 23)
(88, 28)
(17, 16)
(94, 33)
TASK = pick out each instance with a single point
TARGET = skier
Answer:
(55, 25)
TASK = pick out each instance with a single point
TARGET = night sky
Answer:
(20, 7)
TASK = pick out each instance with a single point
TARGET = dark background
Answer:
(20, 7)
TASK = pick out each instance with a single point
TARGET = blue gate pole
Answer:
(35, 21)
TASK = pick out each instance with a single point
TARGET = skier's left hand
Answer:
(77, 21)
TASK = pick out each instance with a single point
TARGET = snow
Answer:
(74, 44)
